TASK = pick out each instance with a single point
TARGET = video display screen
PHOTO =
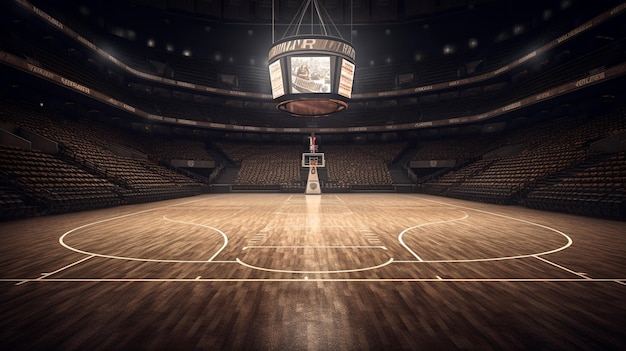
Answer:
(310, 74)
(346, 79)
(276, 79)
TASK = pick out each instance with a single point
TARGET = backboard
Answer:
(313, 158)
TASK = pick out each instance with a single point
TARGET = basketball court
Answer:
(317, 272)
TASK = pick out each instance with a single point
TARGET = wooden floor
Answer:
(329, 272)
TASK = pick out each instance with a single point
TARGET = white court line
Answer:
(364, 280)
(58, 270)
(339, 198)
(316, 247)
(306, 226)
(333, 213)
(205, 226)
(423, 225)
(302, 198)
(561, 267)
(313, 272)
(118, 217)
(568, 244)
(90, 255)
(62, 239)
(344, 204)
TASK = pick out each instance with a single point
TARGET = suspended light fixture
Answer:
(311, 74)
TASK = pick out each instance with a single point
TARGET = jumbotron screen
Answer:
(276, 79)
(310, 74)
(346, 79)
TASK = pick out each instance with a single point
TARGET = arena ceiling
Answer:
(392, 39)
(240, 31)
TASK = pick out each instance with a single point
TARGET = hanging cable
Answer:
(302, 16)
(330, 20)
(319, 15)
(293, 28)
(327, 26)
(351, 21)
(314, 2)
